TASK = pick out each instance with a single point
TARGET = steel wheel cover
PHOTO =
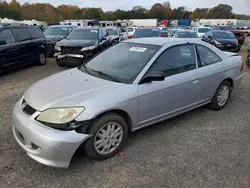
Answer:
(108, 138)
(223, 95)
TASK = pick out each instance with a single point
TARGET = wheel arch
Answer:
(120, 112)
(230, 80)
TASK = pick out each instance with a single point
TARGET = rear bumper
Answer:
(237, 82)
(45, 145)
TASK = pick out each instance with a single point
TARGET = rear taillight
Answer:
(241, 68)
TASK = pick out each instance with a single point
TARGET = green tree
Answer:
(222, 11)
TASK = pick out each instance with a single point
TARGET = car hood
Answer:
(65, 89)
(82, 43)
(227, 41)
(55, 38)
(114, 37)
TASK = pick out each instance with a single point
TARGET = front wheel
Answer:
(221, 96)
(109, 133)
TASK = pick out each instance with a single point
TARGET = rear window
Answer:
(6, 36)
(36, 33)
(204, 30)
(21, 34)
(146, 33)
(63, 31)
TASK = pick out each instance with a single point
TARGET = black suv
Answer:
(80, 45)
(21, 45)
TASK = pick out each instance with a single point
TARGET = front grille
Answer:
(27, 108)
(71, 50)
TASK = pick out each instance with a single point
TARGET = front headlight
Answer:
(88, 48)
(60, 115)
(217, 42)
(58, 48)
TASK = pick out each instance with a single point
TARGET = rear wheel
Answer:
(109, 133)
(221, 96)
(41, 58)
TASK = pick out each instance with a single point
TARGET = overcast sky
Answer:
(239, 6)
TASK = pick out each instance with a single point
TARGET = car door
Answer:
(9, 51)
(209, 71)
(179, 92)
(23, 40)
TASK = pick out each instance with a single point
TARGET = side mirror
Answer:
(209, 37)
(2, 42)
(153, 76)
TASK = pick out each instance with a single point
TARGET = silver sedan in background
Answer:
(129, 86)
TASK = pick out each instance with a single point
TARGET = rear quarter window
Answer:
(6, 35)
(36, 33)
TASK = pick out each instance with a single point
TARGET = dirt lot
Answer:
(202, 148)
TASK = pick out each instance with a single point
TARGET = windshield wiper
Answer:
(110, 77)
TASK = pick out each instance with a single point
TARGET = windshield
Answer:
(122, 61)
(186, 35)
(146, 33)
(224, 35)
(83, 34)
(204, 30)
(227, 28)
(112, 31)
(57, 31)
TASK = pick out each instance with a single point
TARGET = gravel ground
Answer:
(202, 148)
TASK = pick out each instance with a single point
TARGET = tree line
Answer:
(52, 15)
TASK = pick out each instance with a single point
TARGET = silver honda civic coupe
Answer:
(131, 85)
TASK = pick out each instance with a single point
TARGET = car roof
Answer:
(17, 26)
(87, 28)
(62, 26)
(110, 28)
(161, 40)
(140, 28)
(185, 31)
(221, 31)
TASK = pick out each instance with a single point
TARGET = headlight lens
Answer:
(88, 48)
(58, 48)
(216, 42)
(60, 115)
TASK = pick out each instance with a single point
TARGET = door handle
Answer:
(195, 81)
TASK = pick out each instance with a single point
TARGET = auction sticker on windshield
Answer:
(64, 28)
(137, 49)
(94, 31)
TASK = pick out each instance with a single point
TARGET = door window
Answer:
(21, 34)
(207, 56)
(6, 36)
(36, 33)
(175, 60)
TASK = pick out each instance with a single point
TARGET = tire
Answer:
(58, 62)
(41, 58)
(215, 104)
(113, 120)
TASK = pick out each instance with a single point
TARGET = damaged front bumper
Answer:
(72, 59)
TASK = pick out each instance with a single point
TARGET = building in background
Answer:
(25, 22)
